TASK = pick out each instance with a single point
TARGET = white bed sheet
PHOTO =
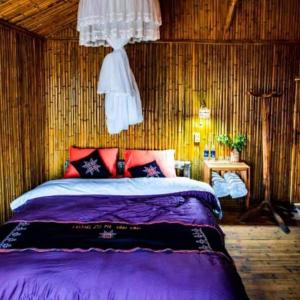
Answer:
(122, 186)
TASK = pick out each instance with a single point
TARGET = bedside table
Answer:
(223, 166)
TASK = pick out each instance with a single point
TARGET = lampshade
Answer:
(204, 111)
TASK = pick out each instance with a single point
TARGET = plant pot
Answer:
(234, 156)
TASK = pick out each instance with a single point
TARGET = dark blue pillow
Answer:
(91, 166)
(147, 170)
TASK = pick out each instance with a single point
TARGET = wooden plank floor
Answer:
(267, 259)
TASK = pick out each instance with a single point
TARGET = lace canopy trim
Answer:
(135, 20)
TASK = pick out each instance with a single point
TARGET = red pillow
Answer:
(164, 159)
(109, 157)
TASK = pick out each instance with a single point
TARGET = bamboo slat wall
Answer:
(253, 20)
(21, 115)
(295, 174)
(173, 77)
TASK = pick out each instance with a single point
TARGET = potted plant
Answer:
(236, 145)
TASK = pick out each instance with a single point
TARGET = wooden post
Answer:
(266, 148)
(230, 15)
(266, 203)
(295, 169)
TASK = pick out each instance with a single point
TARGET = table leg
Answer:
(206, 175)
(245, 175)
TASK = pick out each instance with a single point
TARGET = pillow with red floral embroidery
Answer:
(91, 166)
(147, 170)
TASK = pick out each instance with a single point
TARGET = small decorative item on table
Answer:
(206, 152)
(212, 152)
(234, 155)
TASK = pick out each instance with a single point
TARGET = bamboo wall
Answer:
(193, 60)
(22, 112)
(253, 20)
(173, 77)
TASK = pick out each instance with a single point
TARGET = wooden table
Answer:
(225, 166)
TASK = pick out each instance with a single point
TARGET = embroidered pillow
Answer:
(147, 170)
(164, 159)
(91, 166)
(109, 157)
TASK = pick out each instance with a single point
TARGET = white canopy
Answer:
(115, 23)
(135, 20)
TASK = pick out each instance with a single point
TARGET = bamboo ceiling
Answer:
(40, 16)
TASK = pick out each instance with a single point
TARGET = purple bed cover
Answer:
(139, 275)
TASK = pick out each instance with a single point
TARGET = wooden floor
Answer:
(267, 260)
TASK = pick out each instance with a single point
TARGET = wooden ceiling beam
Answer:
(71, 25)
(21, 29)
(230, 15)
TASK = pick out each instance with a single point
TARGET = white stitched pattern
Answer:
(201, 239)
(11, 237)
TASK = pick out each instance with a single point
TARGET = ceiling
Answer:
(43, 17)
(254, 20)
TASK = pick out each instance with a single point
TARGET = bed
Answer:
(117, 239)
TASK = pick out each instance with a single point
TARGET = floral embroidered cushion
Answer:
(109, 157)
(147, 170)
(163, 158)
(91, 166)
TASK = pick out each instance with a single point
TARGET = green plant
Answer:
(238, 142)
(224, 139)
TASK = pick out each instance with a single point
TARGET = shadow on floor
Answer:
(234, 209)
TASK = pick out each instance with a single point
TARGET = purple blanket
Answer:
(139, 275)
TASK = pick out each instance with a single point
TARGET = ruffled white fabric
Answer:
(115, 23)
(122, 100)
(137, 20)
